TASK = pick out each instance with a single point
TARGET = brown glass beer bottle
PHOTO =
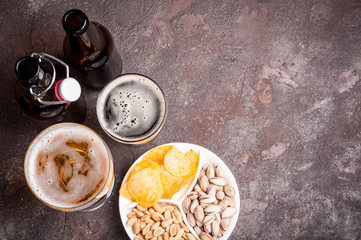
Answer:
(88, 46)
(42, 94)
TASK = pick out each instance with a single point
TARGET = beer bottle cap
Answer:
(68, 90)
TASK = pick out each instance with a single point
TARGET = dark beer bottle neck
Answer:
(28, 71)
(75, 22)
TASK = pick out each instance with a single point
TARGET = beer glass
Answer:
(132, 109)
(69, 167)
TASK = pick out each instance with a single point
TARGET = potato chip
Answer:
(145, 186)
(194, 158)
(141, 165)
(177, 163)
(157, 154)
(150, 179)
(172, 184)
(124, 191)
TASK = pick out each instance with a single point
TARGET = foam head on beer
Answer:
(131, 108)
(67, 165)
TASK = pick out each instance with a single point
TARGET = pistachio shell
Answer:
(218, 171)
(205, 205)
(205, 166)
(193, 206)
(186, 204)
(208, 228)
(229, 190)
(211, 190)
(199, 191)
(231, 201)
(208, 219)
(229, 212)
(213, 209)
(223, 204)
(193, 195)
(218, 181)
(201, 173)
(203, 183)
(218, 217)
(216, 187)
(216, 228)
(210, 172)
(191, 219)
(199, 213)
(225, 223)
(207, 199)
(220, 195)
(205, 236)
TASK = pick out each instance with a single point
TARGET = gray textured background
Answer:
(272, 87)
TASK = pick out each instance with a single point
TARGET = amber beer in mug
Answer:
(132, 109)
(70, 168)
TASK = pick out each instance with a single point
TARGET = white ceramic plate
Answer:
(205, 156)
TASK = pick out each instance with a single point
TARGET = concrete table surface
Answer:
(272, 87)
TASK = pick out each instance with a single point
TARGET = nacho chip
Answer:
(177, 163)
(157, 154)
(145, 186)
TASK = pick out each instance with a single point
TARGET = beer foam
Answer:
(42, 173)
(131, 108)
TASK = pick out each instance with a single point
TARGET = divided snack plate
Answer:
(205, 156)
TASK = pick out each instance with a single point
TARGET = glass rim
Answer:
(145, 138)
(110, 160)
